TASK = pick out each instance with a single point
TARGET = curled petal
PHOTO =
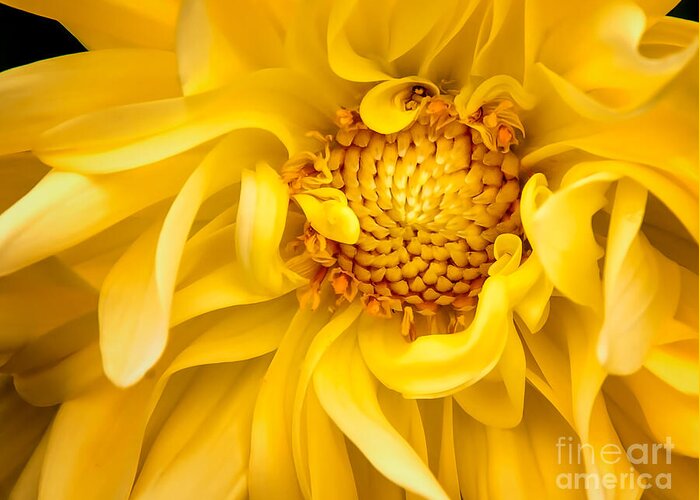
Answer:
(605, 60)
(470, 99)
(570, 211)
(262, 215)
(529, 289)
(678, 196)
(508, 250)
(220, 168)
(434, 365)
(332, 218)
(387, 107)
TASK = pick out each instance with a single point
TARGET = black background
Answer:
(26, 38)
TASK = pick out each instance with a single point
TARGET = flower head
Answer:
(357, 249)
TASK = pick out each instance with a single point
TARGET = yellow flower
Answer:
(351, 249)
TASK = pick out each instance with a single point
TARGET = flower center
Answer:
(431, 201)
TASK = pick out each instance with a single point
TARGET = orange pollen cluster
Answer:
(431, 200)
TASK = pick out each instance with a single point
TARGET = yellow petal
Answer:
(21, 428)
(447, 467)
(222, 287)
(272, 471)
(570, 119)
(277, 100)
(67, 208)
(243, 333)
(547, 369)
(406, 29)
(677, 365)
(497, 400)
(528, 288)
(38, 299)
(677, 417)
(66, 380)
(522, 462)
(386, 38)
(451, 56)
(27, 485)
(348, 393)
(149, 23)
(576, 328)
(371, 483)
(601, 433)
(219, 169)
(641, 286)
(332, 218)
(133, 320)
(59, 365)
(44, 94)
(633, 431)
(383, 108)
(330, 472)
(679, 198)
(214, 239)
(687, 312)
(210, 424)
(570, 211)
(500, 49)
(508, 250)
(470, 99)
(405, 417)
(666, 34)
(322, 341)
(95, 442)
(597, 41)
(532, 307)
(262, 215)
(345, 61)
(207, 250)
(666, 233)
(217, 41)
(21, 172)
(93, 258)
(434, 365)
